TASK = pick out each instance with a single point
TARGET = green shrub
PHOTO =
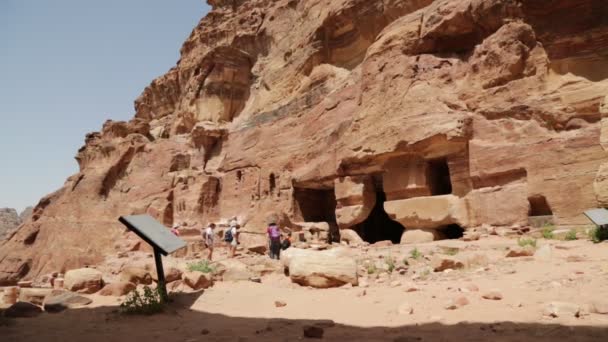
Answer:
(598, 235)
(451, 251)
(201, 266)
(415, 254)
(548, 231)
(523, 242)
(390, 264)
(371, 268)
(148, 303)
(406, 262)
(571, 235)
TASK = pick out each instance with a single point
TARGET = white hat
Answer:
(175, 226)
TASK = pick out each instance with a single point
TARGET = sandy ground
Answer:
(246, 311)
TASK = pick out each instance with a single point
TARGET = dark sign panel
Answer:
(598, 216)
(153, 232)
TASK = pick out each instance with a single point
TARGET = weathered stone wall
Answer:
(360, 97)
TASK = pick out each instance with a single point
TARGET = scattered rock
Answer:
(562, 309)
(117, 289)
(395, 283)
(279, 304)
(234, 270)
(83, 280)
(471, 236)
(441, 263)
(58, 301)
(411, 288)
(136, 275)
(405, 309)
(311, 331)
(470, 288)
(492, 295)
(384, 243)
(362, 293)
(25, 284)
(197, 280)
(520, 252)
(34, 296)
(575, 258)
(22, 309)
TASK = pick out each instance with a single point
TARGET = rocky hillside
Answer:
(401, 120)
(10, 220)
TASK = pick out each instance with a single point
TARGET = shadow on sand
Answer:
(179, 323)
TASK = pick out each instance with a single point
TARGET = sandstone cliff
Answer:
(371, 115)
(10, 220)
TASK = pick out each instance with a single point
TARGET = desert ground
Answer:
(413, 302)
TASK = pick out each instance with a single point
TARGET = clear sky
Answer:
(66, 66)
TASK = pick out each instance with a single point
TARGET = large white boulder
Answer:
(83, 280)
(322, 269)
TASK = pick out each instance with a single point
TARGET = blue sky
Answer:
(66, 66)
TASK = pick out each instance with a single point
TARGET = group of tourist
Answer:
(276, 240)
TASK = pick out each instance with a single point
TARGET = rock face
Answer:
(9, 221)
(358, 113)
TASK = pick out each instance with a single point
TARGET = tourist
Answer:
(175, 229)
(232, 237)
(208, 236)
(286, 242)
(274, 238)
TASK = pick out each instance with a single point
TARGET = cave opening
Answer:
(539, 206)
(272, 182)
(315, 205)
(378, 226)
(453, 231)
(439, 177)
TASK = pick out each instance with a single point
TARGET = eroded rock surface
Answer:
(351, 112)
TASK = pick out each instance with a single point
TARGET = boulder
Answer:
(261, 248)
(136, 275)
(319, 270)
(279, 303)
(428, 212)
(117, 289)
(83, 280)
(197, 280)
(456, 303)
(599, 307)
(562, 309)
(59, 300)
(492, 295)
(34, 296)
(23, 309)
(441, 263)
(311, 331)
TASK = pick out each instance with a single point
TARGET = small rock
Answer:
(520, 252)
(22, 309)
(34, 296)
(362, 293)
(563, 309)
(492, 295)
(470, 288)
(259, 249)
(385, 243)
(311, 331)
(575, 258)
(395, 283)
(441, 263)
(256, 280)
(405, 309)
(117, 289)
(471, 236)
(456, 303)
(205, 332)
(279, 304)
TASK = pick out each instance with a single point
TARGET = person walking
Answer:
(274, 238)
(232, 237)
(208, 237)
(175, 229)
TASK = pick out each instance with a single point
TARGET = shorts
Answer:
(233, 243)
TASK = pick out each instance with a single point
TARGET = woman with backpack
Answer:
(274, 237)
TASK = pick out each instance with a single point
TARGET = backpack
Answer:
(228, 235)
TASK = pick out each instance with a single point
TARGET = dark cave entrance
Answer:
(378, 226)
(315, 205)
(453, 231)
(439, 177)
(539, 206)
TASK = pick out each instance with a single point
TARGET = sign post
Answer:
(159, 237)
